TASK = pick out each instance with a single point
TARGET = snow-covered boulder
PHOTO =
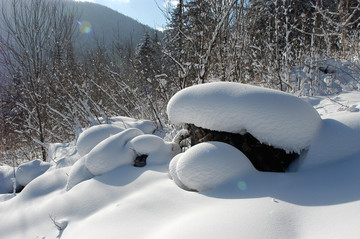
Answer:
(27, 172)
(208, 165)
(154, 148)
(146, 144)
(92, 136)
(273, 117)
(104, 157)
(6, 175)
(111, 152)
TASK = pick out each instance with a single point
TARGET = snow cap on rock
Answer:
(273, 117)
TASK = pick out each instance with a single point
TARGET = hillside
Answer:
(102, 24)
(107, 26)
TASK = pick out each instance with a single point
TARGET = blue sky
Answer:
(144, 11)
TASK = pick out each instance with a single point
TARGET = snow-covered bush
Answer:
(208, 165)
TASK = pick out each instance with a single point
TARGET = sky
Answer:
(148, 12)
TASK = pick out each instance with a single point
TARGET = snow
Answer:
(27, 172)
(208, 165)
(321, 199)
(92, 136)
(274, 118)
(111, 152)
(119, 150)
(146, 144)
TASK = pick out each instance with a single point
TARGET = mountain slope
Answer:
(105, 25)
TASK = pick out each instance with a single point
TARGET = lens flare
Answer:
(242, 185)
(85, 27)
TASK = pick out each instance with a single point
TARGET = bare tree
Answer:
(37, 36)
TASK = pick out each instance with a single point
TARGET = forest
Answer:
(50, 91)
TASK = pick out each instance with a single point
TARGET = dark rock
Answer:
(140, 161)
(264, 157)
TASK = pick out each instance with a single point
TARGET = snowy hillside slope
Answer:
(319, 199)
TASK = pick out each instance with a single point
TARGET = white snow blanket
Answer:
(273, 117)
(319, 200)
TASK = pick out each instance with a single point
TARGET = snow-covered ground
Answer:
(319, 198)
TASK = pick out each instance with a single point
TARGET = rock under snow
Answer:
(27, 172)
(273, 117)
(118, 150)
(146, 144)
(153, 149)
(207, 165)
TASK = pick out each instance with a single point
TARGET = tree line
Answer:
(50, 92)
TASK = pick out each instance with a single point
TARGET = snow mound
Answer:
(156, 148)
(94, 135)
(337, 139)
(27, 172)
(146, 144)
(78, 174)
(207, 165)
(273, 117)
(111, 152)
(6, 174)
(118, 150)
(173, 174)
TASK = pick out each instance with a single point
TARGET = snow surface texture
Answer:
(273, 117)
(208, 165)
